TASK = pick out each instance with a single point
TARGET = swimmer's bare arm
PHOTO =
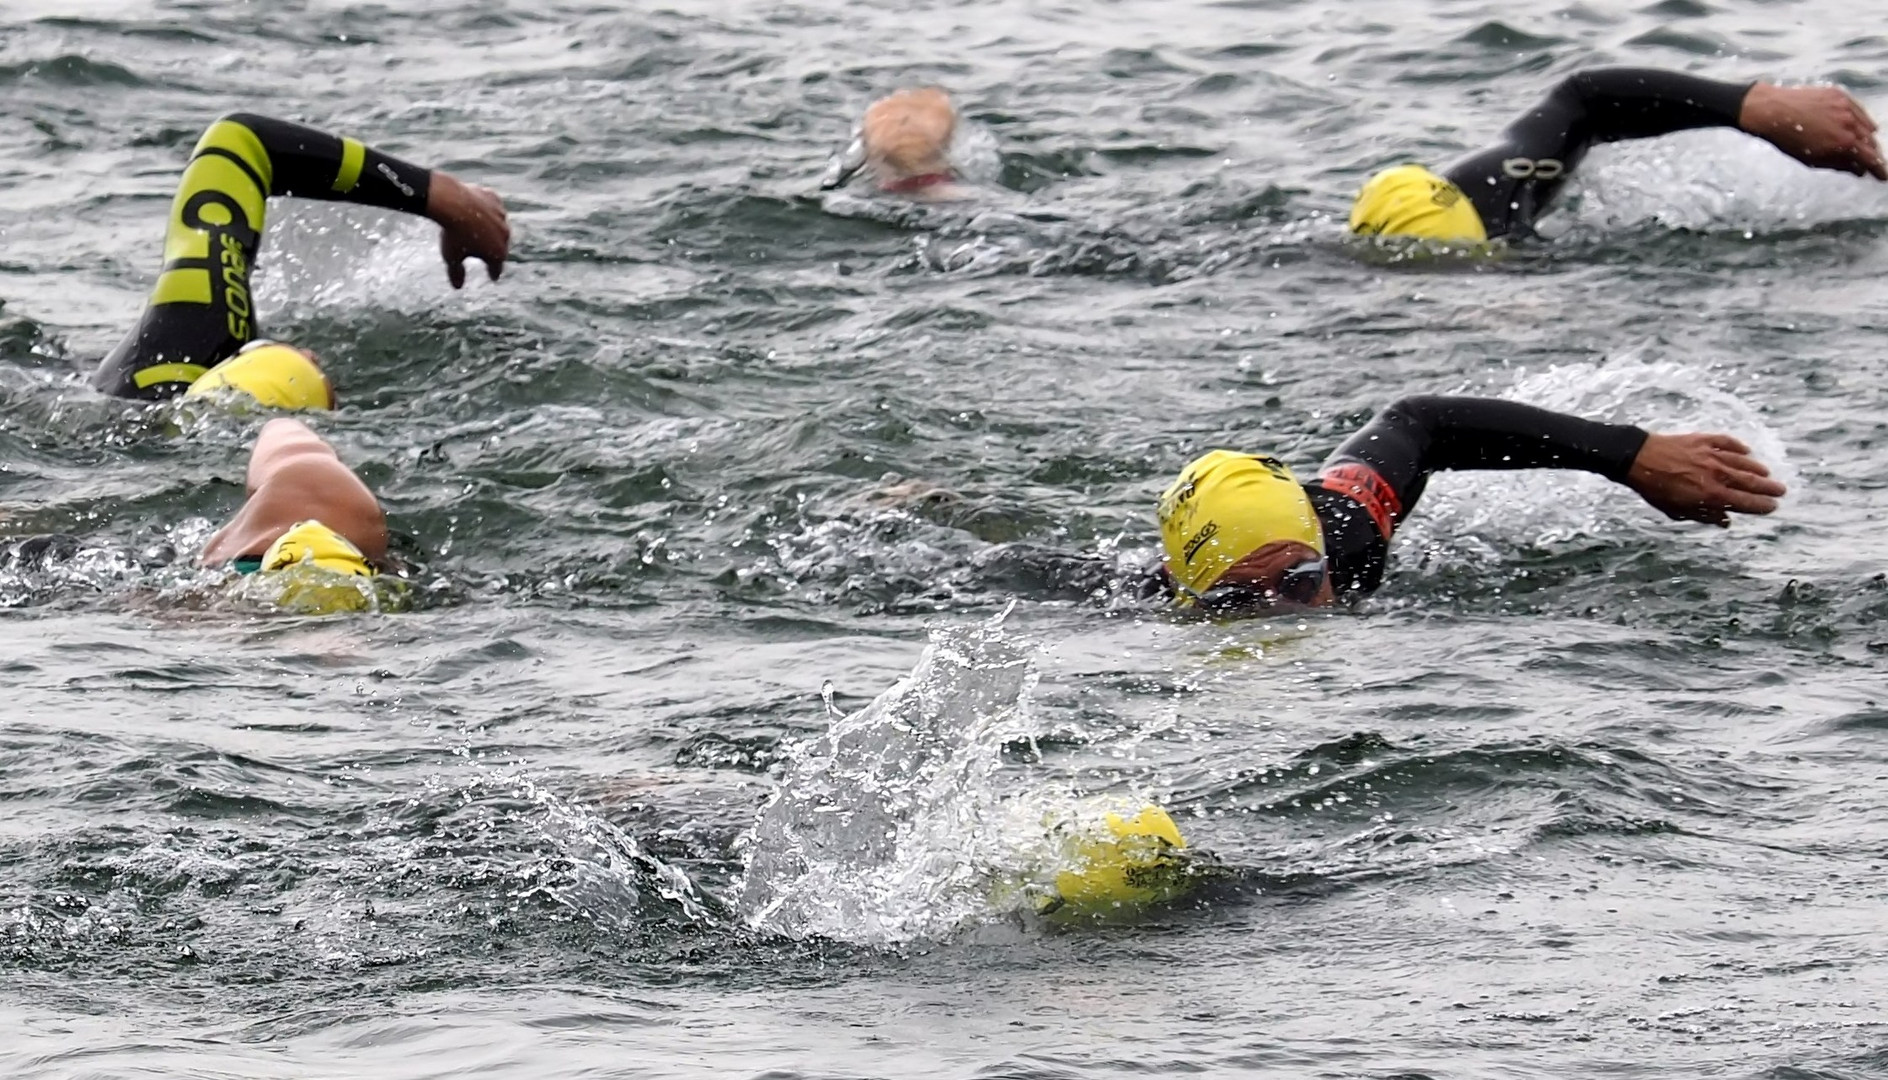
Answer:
(294, 475)
(1820, 126)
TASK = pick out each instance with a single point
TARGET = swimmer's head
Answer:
(275, 375)
(1227, 508)
(1409, 200)
(1122, 866)
(312, 570)
(310, 543)
(907, 137)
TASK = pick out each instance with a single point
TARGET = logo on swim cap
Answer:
(1227, 505)
(1409, 200)
(1207, 532)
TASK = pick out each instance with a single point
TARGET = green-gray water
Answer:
(1580, 793)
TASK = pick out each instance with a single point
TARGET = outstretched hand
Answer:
(1820, 126)
(472, 225)
(1702, 478)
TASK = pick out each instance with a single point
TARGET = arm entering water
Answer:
(202, 310)
(1512, 182)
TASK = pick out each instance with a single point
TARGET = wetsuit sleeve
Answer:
(202, 309)
(1375, 478)
(1512, 181)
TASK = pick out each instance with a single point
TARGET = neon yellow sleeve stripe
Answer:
(227, 135)
(167, 373)
(211, 173)
(353, 156)
(191, 286)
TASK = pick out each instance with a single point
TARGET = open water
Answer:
(1581, 793)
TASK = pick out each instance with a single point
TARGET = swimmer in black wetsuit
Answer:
(1500, 190)
(201, 311)
(1240, 531)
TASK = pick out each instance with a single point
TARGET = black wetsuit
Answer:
(1373, 481)
(1512, 182)
(201, 311)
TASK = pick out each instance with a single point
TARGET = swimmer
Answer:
(905, 139)
(1499, 191)
(202, 312)
(1240, 531)
(309, 539)
(304, 506)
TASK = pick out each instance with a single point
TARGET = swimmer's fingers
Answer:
(1702, 477)
(1867, 147)
(1820, 126)
(1865, 150)
(1740, 471)
(473, 225)
(1871, 157)
(1861, 115)
(1742, 483)
(1748, 493)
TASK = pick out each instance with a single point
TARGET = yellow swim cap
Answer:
(313, 570)
(1409, 200)
(1226, 506)
(278, 376)
(1131, 864)
(313, 543)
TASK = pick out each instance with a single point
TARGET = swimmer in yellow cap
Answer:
(305, 508)
(202, 311)
(1241, 532)
(1500, 190)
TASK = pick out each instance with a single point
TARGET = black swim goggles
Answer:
(1298, 585)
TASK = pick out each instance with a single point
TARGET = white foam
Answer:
(1712, 179)
(890, 827)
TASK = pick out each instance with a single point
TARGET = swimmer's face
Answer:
(1283, 574)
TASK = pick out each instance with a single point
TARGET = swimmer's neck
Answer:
(908, 185)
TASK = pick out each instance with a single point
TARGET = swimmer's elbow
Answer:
(1419, 408)
(285, 442)
(307, 485)
(240, 119)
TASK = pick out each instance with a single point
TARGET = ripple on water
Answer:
(718, 437)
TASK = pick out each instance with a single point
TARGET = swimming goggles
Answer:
(1299, 584)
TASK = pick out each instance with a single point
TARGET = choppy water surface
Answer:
(1581, 793)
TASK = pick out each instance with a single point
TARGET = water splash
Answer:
(889, 827)
(974, 153)
(609, 869)
(588, 867)
(878, 556)
(322, 255)
(1715, 180)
